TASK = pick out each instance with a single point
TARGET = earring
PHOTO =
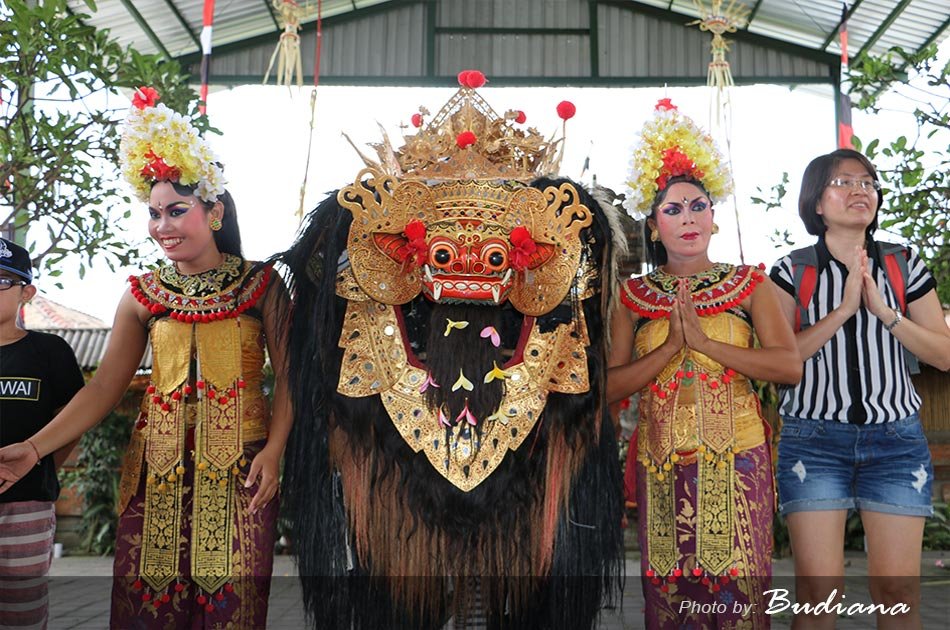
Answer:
(654, 235)
(215, 224)
(715, 229)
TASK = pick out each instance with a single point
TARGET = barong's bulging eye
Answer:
(496, 259)
(442, 256)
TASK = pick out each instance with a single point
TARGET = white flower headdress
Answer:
(159, 144)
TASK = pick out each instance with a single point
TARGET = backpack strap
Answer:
(895, 268)
(896, 272)
(805, 277)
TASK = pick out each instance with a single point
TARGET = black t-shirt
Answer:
(38, 374)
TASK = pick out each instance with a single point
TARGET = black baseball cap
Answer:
(15, 259)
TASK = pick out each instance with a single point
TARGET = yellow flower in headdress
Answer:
(671, 144)
(159, 144)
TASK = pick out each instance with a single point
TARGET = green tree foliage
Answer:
(915, 170)
(58, 136)
(96, 478)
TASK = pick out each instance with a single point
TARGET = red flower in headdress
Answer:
(676, 163)
(520, 118)
(664, 104)
(157, 169)
(524, 248)
(416, 120)
(145, 97)
(466, 138)
(416, 250)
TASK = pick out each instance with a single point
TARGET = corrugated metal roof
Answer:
(89, 346)
(525, 41)
(42, 312)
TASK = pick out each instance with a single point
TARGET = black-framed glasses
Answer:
(6, 283)
(855, 184)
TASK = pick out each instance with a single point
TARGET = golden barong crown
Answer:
(498, 149)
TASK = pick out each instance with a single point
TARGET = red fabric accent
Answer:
(895, 278)
(805, 291)
(845, 136)
(208, 14)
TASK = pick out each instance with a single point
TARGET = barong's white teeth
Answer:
(496, 292)
(436, 290)
(507, 277)
(428, 273)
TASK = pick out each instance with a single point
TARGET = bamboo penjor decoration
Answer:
(719, 20)
(287, 53)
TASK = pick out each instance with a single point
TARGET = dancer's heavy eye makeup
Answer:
(673, 208)
(174, 209)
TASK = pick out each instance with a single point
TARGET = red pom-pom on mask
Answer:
(566, 110)
(520, 118)
(476, 79)
(145, 97)
(416, 250)
(472, 79)
(416, 120)
(524, 247)
(465, 139)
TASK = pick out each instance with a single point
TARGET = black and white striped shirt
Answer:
(860, 375)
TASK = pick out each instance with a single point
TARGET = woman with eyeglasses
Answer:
(851, 437)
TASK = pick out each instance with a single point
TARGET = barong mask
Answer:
(449, 214)
(447, 353)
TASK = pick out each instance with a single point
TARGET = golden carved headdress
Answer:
(450, 213)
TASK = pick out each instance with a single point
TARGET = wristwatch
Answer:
(897, 319)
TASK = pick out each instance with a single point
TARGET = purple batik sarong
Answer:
(704, 602)
(242, 604)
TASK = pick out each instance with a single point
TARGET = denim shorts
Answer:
(830, 465)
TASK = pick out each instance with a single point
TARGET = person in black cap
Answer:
(38, 376)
